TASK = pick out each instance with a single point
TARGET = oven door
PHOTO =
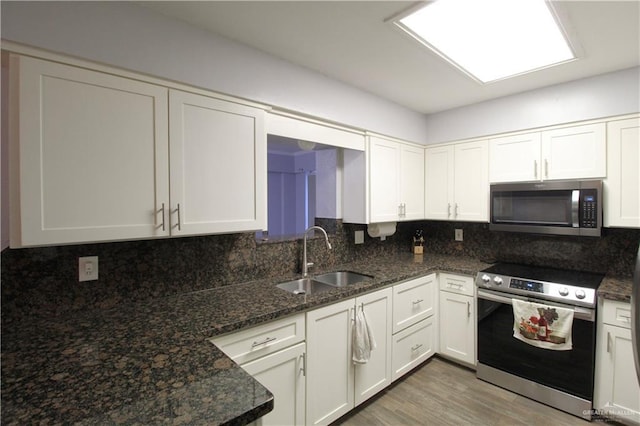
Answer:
(567, 371)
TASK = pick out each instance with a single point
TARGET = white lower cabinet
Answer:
(414, 328)
(283, 374)
(334, 384)
(457, 318)
(617, 391)
(274, 354)
(412, 346)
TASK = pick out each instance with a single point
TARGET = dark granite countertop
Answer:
(616, 288)
(152, 363)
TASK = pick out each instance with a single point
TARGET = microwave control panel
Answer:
(588, 209)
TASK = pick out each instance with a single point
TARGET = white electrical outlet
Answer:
(359, 237)
(459, 236)
(88, 268)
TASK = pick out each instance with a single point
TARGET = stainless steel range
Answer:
(560, 378)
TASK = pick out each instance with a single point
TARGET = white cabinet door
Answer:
(457, 335)
(577, 152)
(384, 160)
(622, 186)
(412, 182)
(218, 165)
(617, 391)
(89, 155)
(515, 158)
(412, 346)
(375, 375)
(438, 170)
(471, 182)
(330, 382)
(283, 374)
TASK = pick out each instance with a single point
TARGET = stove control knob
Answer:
(485, 279)
(563, 291)
(497, 280)
(580, 294)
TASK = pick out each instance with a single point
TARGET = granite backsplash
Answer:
(43, 281)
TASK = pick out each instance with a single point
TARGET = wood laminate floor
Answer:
(442, 393)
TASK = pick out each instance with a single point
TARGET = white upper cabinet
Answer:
(396, 181)
(412, 182)
(218, 165)
(89, 155)
(515, 158)
(576, 152)
(98, 157)
(622, 186)
(385, 183)
(457, 183)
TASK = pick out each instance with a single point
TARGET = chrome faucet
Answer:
(305, 264)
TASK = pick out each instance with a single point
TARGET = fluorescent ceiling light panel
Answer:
(490, 39)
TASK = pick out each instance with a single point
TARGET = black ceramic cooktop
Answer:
(551, 275)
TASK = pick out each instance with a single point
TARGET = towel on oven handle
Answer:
(544, 326)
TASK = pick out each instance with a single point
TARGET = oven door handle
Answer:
(578, 312)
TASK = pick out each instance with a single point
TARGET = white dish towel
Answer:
(544, 326)
(363, 341)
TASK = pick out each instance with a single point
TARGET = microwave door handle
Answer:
(575, 208)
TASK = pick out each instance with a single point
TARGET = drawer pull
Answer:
(418, 301)
(458, 285)
(264, 342)
(416, 347)
(624, 318)
(468, 309)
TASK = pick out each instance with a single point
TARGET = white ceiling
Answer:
(351, 42)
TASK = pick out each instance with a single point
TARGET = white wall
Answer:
(130, 36)
(615, 93)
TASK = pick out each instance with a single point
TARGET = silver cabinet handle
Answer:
(303, 361)
(418, 301)
(404, 209)
(264, 342)
(161, 210)
(535, 169)
(416, 347)
(448, 209)
(468, 309)
(455, 211)
(546, 168)
(177, 210)
(608, 342)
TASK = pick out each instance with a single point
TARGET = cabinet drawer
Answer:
(411, 347)
(616, 313)
(247, 345)
(457, 284)
(413, 301)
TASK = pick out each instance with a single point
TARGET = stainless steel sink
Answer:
(305, 286)
(323, 282)
(342, 278)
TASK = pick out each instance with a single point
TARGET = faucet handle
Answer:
(309, 264)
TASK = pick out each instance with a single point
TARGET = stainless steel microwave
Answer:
(555, 207)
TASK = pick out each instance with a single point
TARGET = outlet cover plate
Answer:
(459, 236)
(88, 268)
(359, 237)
